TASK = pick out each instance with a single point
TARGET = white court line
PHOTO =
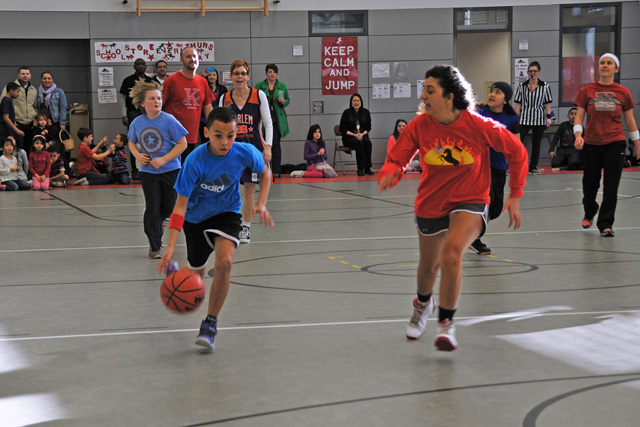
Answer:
(312, 199)
(65, 206)
(287, 325)
(345, 239)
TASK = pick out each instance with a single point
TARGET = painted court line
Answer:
(287, 325)
(346, 239)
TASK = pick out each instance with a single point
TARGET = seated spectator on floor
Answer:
(316, 156)
(564, 154)
(87, 173)
(57, 176)
(12, 177)
(119, 172)
(414, 166)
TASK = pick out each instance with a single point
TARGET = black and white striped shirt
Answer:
(532, 110)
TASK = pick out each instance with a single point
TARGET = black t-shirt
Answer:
(6, 105)
(128, 83)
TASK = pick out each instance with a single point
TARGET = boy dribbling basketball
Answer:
(208, 207)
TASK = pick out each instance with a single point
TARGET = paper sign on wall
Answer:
(151, 51)
(381, 90)
(520, 70)
(339, 65)
(107, 96)
(105, 76)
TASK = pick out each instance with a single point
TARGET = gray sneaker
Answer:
(82, 181)
(245, 235)
(155, 254)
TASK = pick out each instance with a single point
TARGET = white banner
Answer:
(150, 51)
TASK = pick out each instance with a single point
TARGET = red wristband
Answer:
(176, 221)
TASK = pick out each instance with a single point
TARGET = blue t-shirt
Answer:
(510, 121)
(156, 138)
(212, 183)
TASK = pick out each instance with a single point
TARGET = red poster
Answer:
(339, 65)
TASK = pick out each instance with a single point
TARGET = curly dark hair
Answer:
(453, 82)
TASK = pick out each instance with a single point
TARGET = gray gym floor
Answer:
(312, 333)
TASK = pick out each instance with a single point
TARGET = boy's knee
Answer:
(224, 264)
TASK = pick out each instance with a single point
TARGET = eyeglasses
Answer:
(533, 71)
(239, 73)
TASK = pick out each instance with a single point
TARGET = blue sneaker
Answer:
(171, 268)
(207, 335)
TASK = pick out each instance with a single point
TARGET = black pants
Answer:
(363, 150)
(536, 139)
(25, 142)
(566, 156)
(609, 157)
(159, 201)
(276, 151)
(498, 180)
(187, 151)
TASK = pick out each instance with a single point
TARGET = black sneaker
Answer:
(207, 335)
(480, 248)
(607, 232)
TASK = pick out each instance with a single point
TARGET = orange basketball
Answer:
(182, 291)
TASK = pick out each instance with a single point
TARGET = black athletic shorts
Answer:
(201, 237)
(433, 226)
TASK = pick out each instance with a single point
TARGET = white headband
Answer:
(612, 56)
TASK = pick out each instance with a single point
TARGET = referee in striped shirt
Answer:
(533, 106)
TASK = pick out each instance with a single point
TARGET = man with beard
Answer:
(186, 95)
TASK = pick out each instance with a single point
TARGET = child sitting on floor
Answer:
(316, 157)
(57, 176)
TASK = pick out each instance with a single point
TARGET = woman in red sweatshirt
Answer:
(451, 207)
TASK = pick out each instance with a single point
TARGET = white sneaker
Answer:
(82, 181)
(418, 321)
(297, 174)
(245, 235)
(446, 338)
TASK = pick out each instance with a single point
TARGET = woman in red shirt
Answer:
(451, 207)
(603, 145)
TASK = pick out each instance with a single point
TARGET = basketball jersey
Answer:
(249, 118)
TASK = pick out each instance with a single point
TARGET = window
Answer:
(337, 23)
(587, 33)
(476, 20)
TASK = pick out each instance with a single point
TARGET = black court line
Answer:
(89, 214)
(360, 196)
(531, 418)
(410, 394)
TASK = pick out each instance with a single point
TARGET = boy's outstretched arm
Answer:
(261, 205)
(179, 211)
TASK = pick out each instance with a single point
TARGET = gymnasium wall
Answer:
(421, 37)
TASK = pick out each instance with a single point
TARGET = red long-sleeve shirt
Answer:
(40, 163)
(455, 161)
